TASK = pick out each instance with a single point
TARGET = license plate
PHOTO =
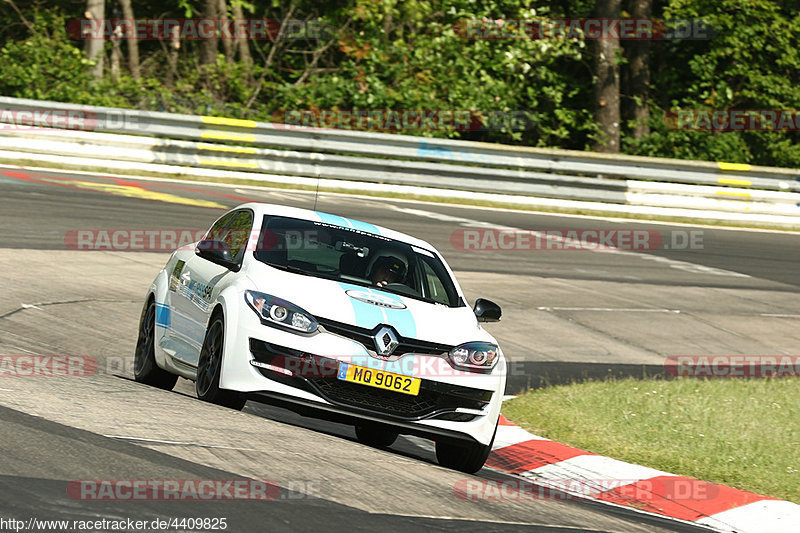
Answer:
(379, 379)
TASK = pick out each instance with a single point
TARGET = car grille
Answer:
(365, 337)
(391, 403)
(317, 374)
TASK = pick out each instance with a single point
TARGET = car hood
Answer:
(367, 307)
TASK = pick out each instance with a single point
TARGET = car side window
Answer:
(433, 285)
(234, 230)
(238, 233)
(217, 231)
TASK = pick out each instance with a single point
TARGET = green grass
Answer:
(738, 432)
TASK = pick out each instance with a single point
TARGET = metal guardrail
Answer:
(266, 148)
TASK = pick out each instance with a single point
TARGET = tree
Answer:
(606, 81)
(227, 42)
(638, 73)
(95, 10)
(133, 43)
(208, 47)
(242, 44)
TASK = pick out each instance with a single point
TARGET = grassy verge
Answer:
(741, 433)
(426, 198)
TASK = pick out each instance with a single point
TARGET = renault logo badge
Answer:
(385, 341)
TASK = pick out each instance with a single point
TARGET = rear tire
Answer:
(376, 436)
(209, 368)
(145, 369)
(467, 457)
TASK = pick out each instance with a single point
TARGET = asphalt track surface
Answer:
(566, 313)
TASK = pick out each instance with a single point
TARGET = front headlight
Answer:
(475, 356)
(277, 312)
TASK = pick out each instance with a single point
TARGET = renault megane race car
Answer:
(330, 317)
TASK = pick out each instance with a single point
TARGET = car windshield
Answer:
(332, 252)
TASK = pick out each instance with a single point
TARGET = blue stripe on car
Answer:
(163, 315)
(336, 220)
(364, 226)
(368, 316)
(402, 319)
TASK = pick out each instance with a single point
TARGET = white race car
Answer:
(330, 317)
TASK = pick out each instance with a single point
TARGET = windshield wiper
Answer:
(298, 270)
(290, 268)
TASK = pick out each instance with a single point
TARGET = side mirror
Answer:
(218, 252)
(486, 310)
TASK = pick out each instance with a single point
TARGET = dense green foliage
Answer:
(409, 55)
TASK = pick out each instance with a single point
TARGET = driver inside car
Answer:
(387, 269)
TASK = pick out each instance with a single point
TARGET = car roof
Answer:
(261, 209)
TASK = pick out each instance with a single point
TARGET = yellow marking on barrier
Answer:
(733, 166)
(227, 136)
(221, 148)
(236, 164)
(726, 181)
(132, 191)
(234, 122)
(732, 193)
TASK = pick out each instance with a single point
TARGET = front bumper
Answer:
(450, 405)
(318, 375)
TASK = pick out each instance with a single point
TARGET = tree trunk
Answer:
(133, 43)
(95, 10)
(116, 54)
(639, 72)
(208, 47)
(172, 55)
(227, 43)
(242, 45)
(606, 89)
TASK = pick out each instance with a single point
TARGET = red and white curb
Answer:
(589, 476)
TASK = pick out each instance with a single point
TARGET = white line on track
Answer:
(672, 263)
(610, 309)
(177, 443)
(781, 315)
(490, 521)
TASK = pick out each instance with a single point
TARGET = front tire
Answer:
(467, 457)
(145, 369)
(375, 436)
(209, 368)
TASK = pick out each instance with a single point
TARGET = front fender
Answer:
(231, 303)
(159, 289)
